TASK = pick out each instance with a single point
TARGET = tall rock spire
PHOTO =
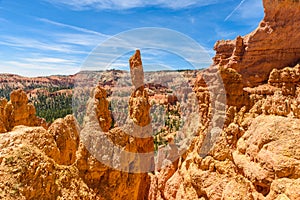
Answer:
(139, 106)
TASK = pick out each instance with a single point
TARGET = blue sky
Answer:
(47, 37)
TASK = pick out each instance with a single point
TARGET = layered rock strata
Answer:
(255, 155)
(274, 44)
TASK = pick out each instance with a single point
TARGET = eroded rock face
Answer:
(136, 70)
(18, 112)
(233, 83)
(102, 112)
(267, 151)
(66, 135)
(274, 44)
(139, 106)
(3, 121)
(256, 153)
(109, 160)
(29, 169)
(287, 79)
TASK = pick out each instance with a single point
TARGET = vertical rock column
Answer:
(115, 161)
(139, 113)
(102, 111)
(3, 120)
(139, 106)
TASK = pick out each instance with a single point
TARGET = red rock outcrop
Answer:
(13, 81)
(274, 44)
(139, 106)
(66, 135)
(269, 150)
(18, 112)
(255, 155)
(3, 120)
(29, 169)
(102, 112)
(136, 70)
(286, 79)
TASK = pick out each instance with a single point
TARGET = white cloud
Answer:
(128, 4)
(235, 9)
(70, 39)
(34, 67)
(87, 40)
(251, 9)
(77, 36)
(58, 49)
(83, 30)
(30, 43)
(115, 53)
(49, 60)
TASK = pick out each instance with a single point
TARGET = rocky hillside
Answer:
(33, 86)
(51, 161)
(254, 155)
(52, 95)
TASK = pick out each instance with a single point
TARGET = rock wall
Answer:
(66, 135)
(274, 44)
(101, 106)
(29, 165)
(256, 154)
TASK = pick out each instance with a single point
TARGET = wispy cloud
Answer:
(247, 10)
(30, 43)
(50, 60)
(223, 33)
(158, 47)
(129, 4)
(234, 10)
(58, 48)
(34, 66)
(69, 39)
(87, 40)
(75, 35)
(83, 30)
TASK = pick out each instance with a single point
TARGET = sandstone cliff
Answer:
(256, 155)
(274, 44)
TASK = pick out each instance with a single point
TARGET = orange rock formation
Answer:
(256, 154)
(274, 44)
(18, 112)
